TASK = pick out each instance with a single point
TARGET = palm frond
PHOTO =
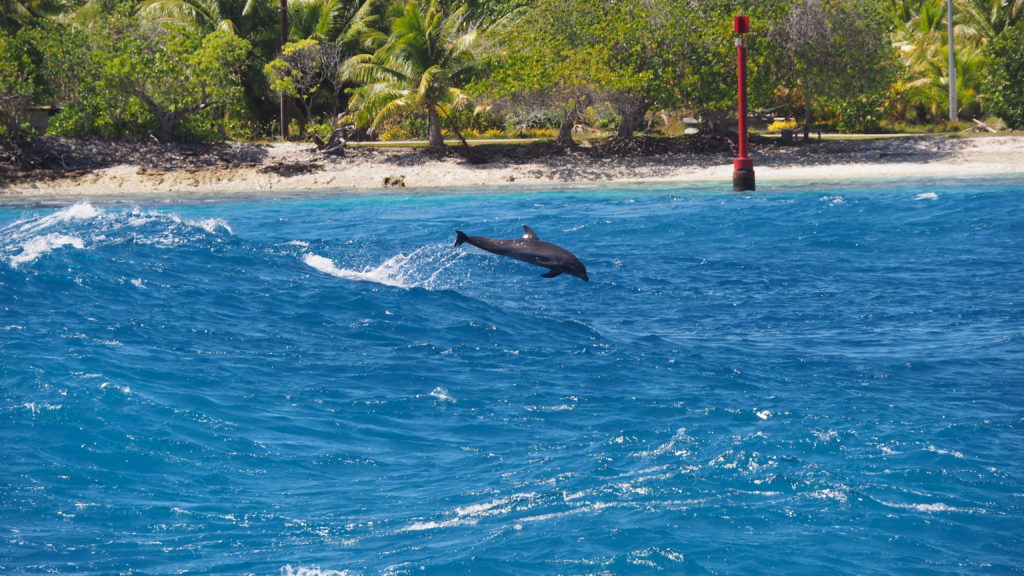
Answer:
(202, 15)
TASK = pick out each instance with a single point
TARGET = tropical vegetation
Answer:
(385, 69)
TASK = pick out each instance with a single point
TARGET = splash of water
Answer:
(422, 268)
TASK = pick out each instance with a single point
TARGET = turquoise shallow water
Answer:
(806, 380)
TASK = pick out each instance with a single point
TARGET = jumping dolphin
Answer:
(530, 249)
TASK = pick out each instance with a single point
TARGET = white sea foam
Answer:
(431, 525)
(441, 394)
(836, 494)
(496, 506)
(80, 211)
(556, 408)
(421, 268)
(927, 196)
(473, 513)
(84, 226)
(953, 453)
(288, 570)
(648, 556)
(825, 436)
(671, 447)
(327, 266)
(211, 225)
(36, 246)
(122, 389)
(36, 409)
(590, 508)
(931, 508)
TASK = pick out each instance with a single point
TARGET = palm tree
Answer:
(16, 13)
(339, 22)
(253, 20)
(922, 42)
(320, 20)
(419, 66)
(986, 19)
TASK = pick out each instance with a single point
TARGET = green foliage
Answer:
(122, 76)
(74, 62)
(549, 57)
(292, 72)
(322, 130)
(175, 72)
(200, 69)
(629, 55)
(16, 14)
(418, 66)
(239, 124)
(488, 12)
(304, 70)
(406, 127)
(838, 49)
(16, 86)
(1006, 75)
(920, 94)
(321, 20)
(860, 115)
(88, 119)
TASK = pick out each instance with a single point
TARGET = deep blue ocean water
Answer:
(803, 380)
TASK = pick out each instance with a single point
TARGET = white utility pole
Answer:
(952, 64)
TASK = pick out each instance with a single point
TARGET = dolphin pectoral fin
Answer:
(551, 273)
(530, 235)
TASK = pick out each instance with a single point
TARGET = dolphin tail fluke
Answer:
(460, 237)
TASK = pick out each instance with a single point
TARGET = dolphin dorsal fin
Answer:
(530, 235)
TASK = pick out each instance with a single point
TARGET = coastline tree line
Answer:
(386, 69)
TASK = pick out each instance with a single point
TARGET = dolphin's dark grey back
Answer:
(529, 249)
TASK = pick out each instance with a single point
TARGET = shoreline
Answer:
(292, 169)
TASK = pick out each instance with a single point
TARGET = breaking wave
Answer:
(83, 226)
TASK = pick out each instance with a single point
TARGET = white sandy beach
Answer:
(290, 167)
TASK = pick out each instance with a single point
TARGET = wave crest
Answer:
(83, 226)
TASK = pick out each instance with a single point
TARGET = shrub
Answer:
(321, 130)
(1006, 75)
(780, 125)
(394, 133)
(16, 86)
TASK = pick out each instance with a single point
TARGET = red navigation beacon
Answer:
(743, 166)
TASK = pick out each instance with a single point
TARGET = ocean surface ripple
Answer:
(805, 380)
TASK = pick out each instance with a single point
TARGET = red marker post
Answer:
(743, 167)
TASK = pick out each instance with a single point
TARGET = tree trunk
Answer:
(165, 127)
(716, 122)
(632, 117)
(808, 115)
(565, 130)
(434, 136)
(307, 115)
(166, 121)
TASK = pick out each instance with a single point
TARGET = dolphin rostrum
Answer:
(532, 250)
